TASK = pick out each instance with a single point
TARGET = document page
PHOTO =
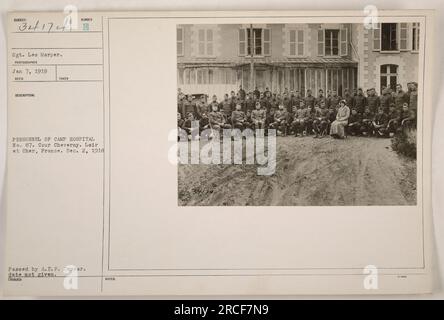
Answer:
(219, 153)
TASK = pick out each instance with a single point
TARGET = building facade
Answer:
(216, 59)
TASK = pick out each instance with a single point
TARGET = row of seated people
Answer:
(303, 121)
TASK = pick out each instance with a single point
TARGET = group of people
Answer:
(355, 113)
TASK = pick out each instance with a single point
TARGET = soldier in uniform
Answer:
(286, 102)
(280, 120)
(226, 107)
(188, 127)
(320, 121)
(380, 122)
(321, 98)
(180, 121)
(334, 100)
(331, 117)
(373, 100)
(258, 117)
(188, 106)
(242, 93)
(201, 106)
(256, 93)
(309, 100)
(367, 118)
(217, 120)
(386, 99)
(393, 120)
(359, 101)
(238, 118)
(401, 97)
(413, 98)
(354, 123)
(407, 117)
(250, 103)
(349, 99)
(298, 124)
(180, 101)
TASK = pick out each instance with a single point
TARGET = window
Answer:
(256, 42)
(296, 43)
(179, 41)
(389, 76)
(415, 37)
(333, 42)
(389, 37)
(205, 42)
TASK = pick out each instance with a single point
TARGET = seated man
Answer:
(238, 118)
(258, 117)
(380, 122)
(393, 120)
(217, 120)
(280, 120)
(367, 119)
(331, 116)
(180, 121)
(354, 123)
(320, 121)
(300, 116)
(188, 127)
(407, 117)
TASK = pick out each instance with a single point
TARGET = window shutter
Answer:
(377, 37)
(344, 42)
(179, 41)
(321, 42)
(242, 42)
(292, 42)
(201, 42)
(403, 36)
(209, 42)
(300, 42)
(267, 41)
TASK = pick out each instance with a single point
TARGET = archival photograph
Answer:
(297, 114)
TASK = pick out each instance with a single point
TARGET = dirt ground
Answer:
(309, 172)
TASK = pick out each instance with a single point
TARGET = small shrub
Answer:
(404, 142)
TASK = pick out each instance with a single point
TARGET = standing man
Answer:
(242, 93)
(348, 98)
(373, 101)
(309, 100)
(250, 103)
(256, 93)
(188, 107)
(334, 100)
(321, 98)
(413, 99)
(226, 107)
(201, 106)
(359, 101)
(400, 97)
(386, 99)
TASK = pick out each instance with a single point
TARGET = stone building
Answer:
(215, 59)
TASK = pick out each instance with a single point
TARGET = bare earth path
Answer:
(309, 172)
